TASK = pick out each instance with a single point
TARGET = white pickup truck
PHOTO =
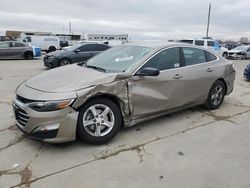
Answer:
(209, 44)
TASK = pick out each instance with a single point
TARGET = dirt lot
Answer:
(191, 148)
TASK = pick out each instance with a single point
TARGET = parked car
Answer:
(247, 72)
(120, 87)
(240, 52)
(73, 54)
(209, 44)
(15, 50)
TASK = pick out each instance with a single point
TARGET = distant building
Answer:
(103, 37)
(67, 37)
(18, 34)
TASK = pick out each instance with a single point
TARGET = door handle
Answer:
(177, 76)
(210, 70)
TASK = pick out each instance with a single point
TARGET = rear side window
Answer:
(17, 44)
(210, 57)
(199, 42)
(187, 41)
(93, 47)
(166, 59)
(101, 47)
(4, 45)
(210, 43)
(194, 56)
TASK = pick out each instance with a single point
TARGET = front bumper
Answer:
(235, 56)
(53, 127)
(50, 63)
(247, 73)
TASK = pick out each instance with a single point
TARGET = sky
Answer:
(141, 19)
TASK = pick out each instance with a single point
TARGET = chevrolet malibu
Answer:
(119, 88)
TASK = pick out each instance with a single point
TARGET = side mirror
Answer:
(24, 40)
(77, 50)
(148, 71)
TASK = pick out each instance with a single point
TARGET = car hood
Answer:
(69, 78)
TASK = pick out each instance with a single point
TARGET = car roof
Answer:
(159, 44)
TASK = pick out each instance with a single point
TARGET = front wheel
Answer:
(99, 121)
(224, 55)
(216, 95)
(64, 62)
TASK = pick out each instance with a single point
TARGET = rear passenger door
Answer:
(198, 74)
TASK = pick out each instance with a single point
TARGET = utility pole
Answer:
(208, 19)
(69, 27)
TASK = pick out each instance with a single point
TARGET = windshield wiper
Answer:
(95, 67)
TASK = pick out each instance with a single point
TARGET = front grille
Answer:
(21, 116)
(24, 100)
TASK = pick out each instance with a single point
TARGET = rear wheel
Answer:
(99, 121)
(52, 49)
(64, 62)
(28, 55)
(216, 95)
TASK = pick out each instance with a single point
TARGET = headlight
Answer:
(50, 105)
(51, 57)
(240, 53)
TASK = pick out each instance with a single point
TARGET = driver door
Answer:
(154, 94)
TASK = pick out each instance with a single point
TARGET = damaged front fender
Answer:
(117, 90)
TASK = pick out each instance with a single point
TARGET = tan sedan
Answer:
(118, 88)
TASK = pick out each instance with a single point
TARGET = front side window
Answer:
(199, 42)
(166, 59)
(194, 56)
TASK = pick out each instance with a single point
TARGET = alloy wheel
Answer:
(98, 120)
(217, 95)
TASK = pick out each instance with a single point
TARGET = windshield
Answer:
(241, 48)
(119, 58)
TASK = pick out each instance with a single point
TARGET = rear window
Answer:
(210, 57)
(194, 56)
(199, 42)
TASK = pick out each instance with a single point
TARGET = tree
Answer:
(244, 40)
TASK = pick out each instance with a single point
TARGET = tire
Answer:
(225, 55)
(64, 61)
(102, 127)
(244, 57)
(28, 55)
(216, 95)
(52, 49)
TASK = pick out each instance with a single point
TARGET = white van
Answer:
(209, 44)
(46, 43)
